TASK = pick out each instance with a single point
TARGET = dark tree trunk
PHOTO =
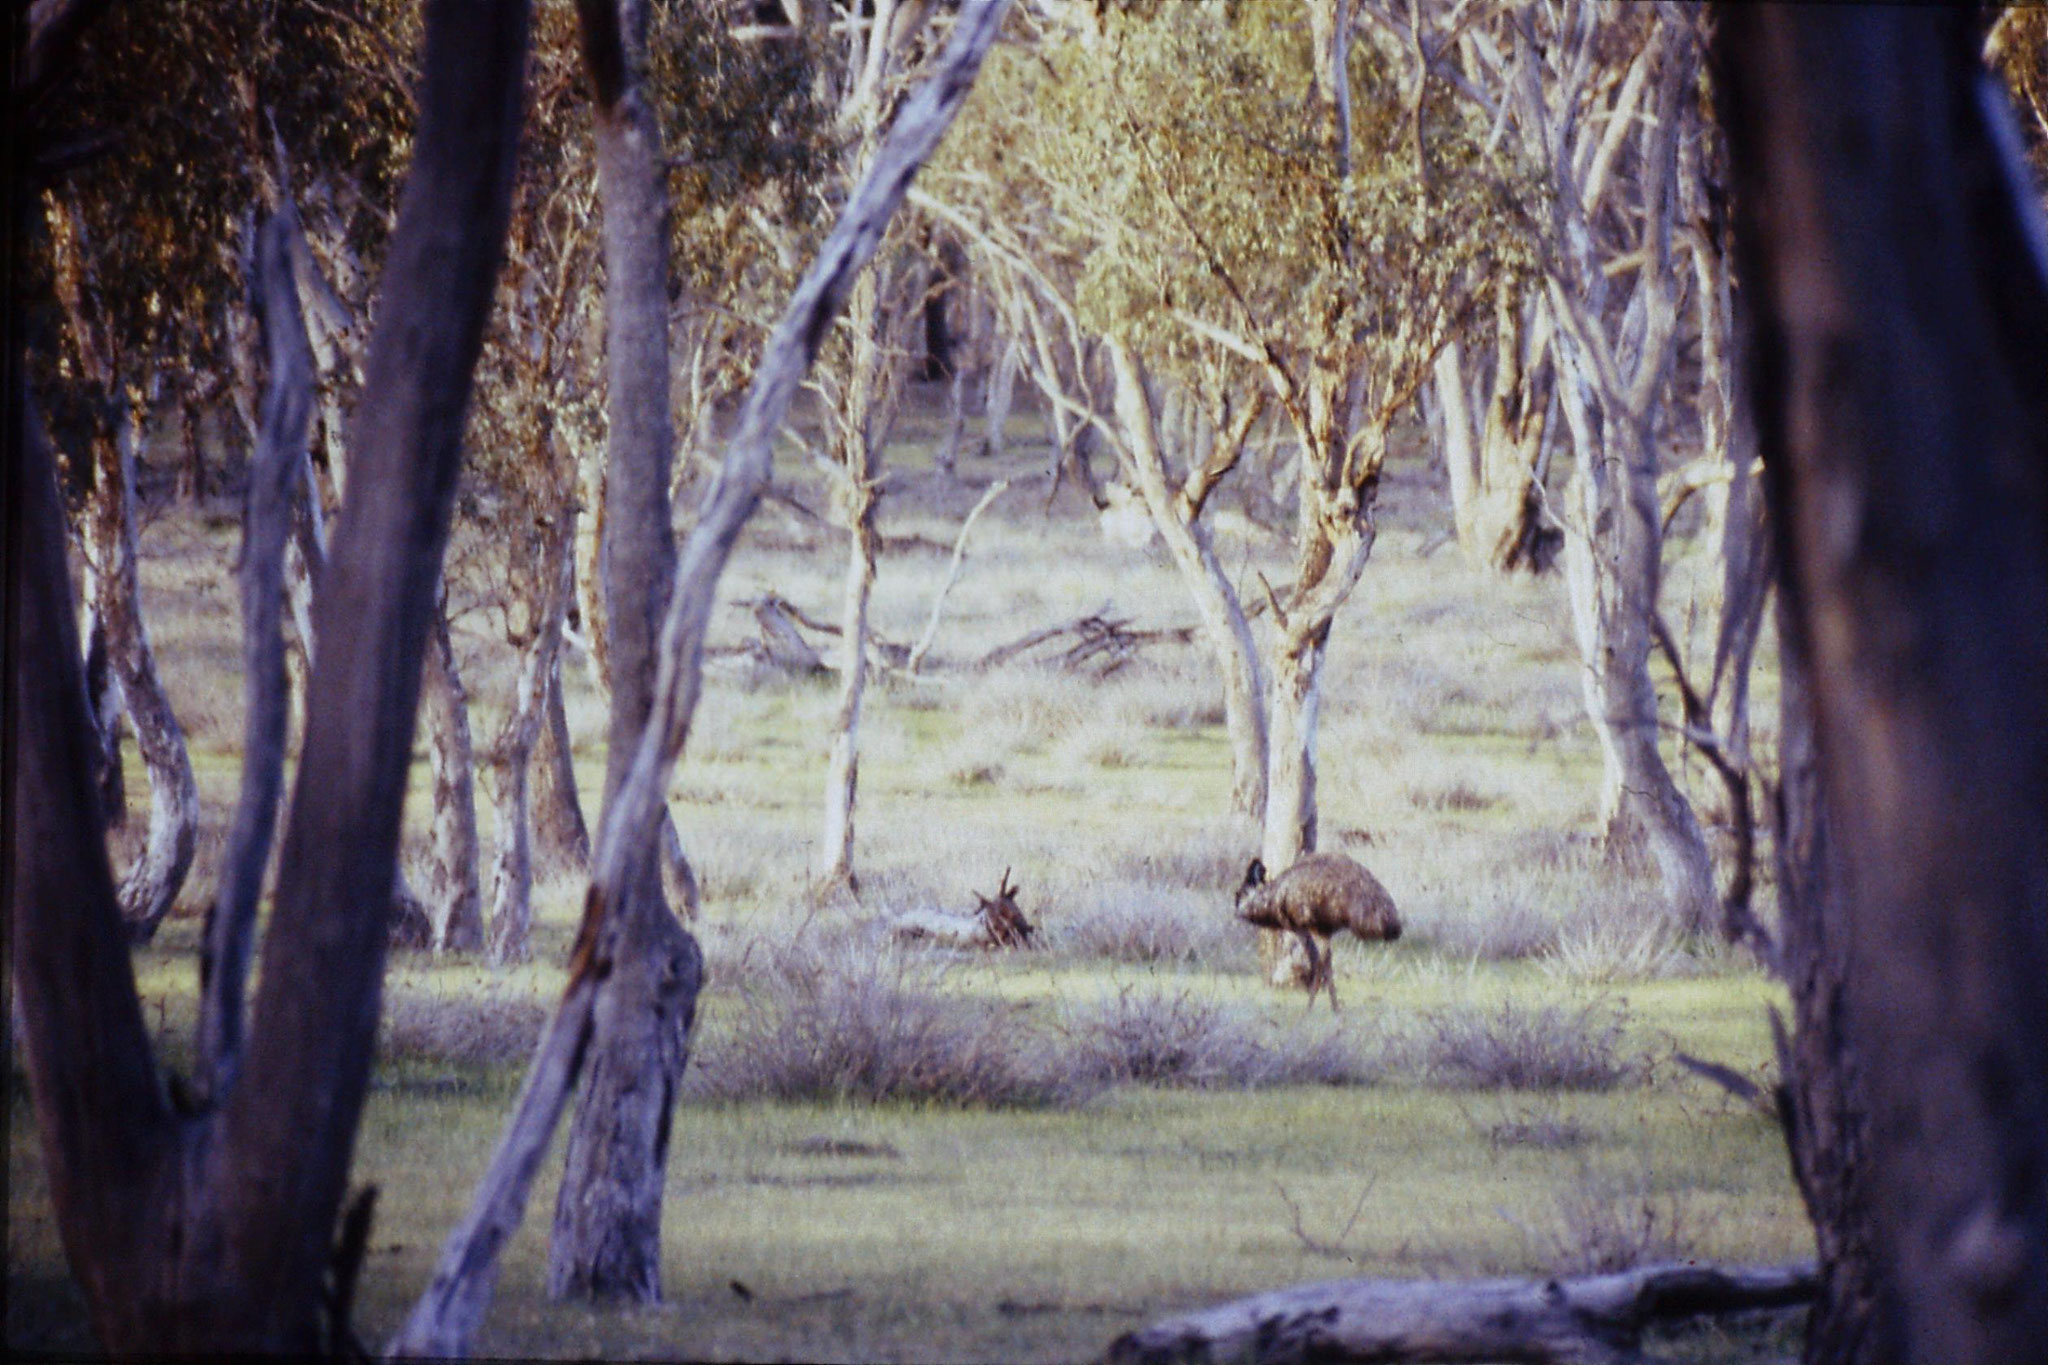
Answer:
(214, 1233)
(1821, 1099)
(1893, 247)
(561, 838)
(606, 1241)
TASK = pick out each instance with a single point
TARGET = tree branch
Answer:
(273, 477)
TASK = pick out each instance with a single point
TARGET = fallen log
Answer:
(1595, 1320)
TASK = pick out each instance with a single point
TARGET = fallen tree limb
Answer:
(1597, 1320)
(1096, 640)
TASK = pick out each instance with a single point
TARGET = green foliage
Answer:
(1178, 154)
(189, 93)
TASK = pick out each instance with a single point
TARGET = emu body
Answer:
(1323, 895)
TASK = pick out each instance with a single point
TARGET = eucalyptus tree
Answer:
(215, 1231)
(448, 1313)
(860, 379)
(1609, 147)
(1225, 241)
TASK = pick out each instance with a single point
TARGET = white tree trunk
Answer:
(1225, 629)
(454, 897)
(152, 883)
(1612, 579)
(835, 871)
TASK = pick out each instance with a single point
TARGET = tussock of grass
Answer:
(839, 1022)
(1180, 1037)
(1517, 1047)
(482, 1028)
(1135, 922)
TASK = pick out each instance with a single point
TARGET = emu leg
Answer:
(1330, 972)
(1315, 965)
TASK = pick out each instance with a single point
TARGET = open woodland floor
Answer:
(907, 1153)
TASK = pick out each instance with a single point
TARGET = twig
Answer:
(1738, 922)
(931, 625)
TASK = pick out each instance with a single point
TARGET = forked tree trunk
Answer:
(1333, 541)
(152, 883)
(454, 900)
(606, 1239)
(1225, 628)
(214, 1233)
(560, 836)
(1895, 250)
(1494, 424)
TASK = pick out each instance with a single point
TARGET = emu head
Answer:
(1254, 878)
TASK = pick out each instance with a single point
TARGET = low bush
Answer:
(1173, 1037)
(847, 1022)
(1608, 1221)
(1135, 923)
(1516, 1047)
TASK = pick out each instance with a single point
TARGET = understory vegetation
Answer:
(887, 1149)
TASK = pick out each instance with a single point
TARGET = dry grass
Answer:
(1182, 1036)
(1520, 1047)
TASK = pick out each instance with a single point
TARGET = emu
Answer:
(1322, 895)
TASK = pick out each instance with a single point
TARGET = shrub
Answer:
(1498, 929)
(1134, 923)
(848, 1021)
(1608, 1221)
(1544, 1047)
(1176, 1038)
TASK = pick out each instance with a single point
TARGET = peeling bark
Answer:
(454, 899)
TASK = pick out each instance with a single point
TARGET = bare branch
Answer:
(273, 484)
(931, 625)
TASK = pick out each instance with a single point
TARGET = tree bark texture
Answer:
(454, 898)
(274, 469)
(1612, 578)
(103, 701)
(1898, 264)
(560, 836)
(1821, 1094)
(1494, 422)
(863, 411)
(512, 752)
(606, 1240)
(208, 1234)
(1612, 357)
(153, 882)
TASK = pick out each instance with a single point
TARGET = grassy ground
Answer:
(1498, 1095)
